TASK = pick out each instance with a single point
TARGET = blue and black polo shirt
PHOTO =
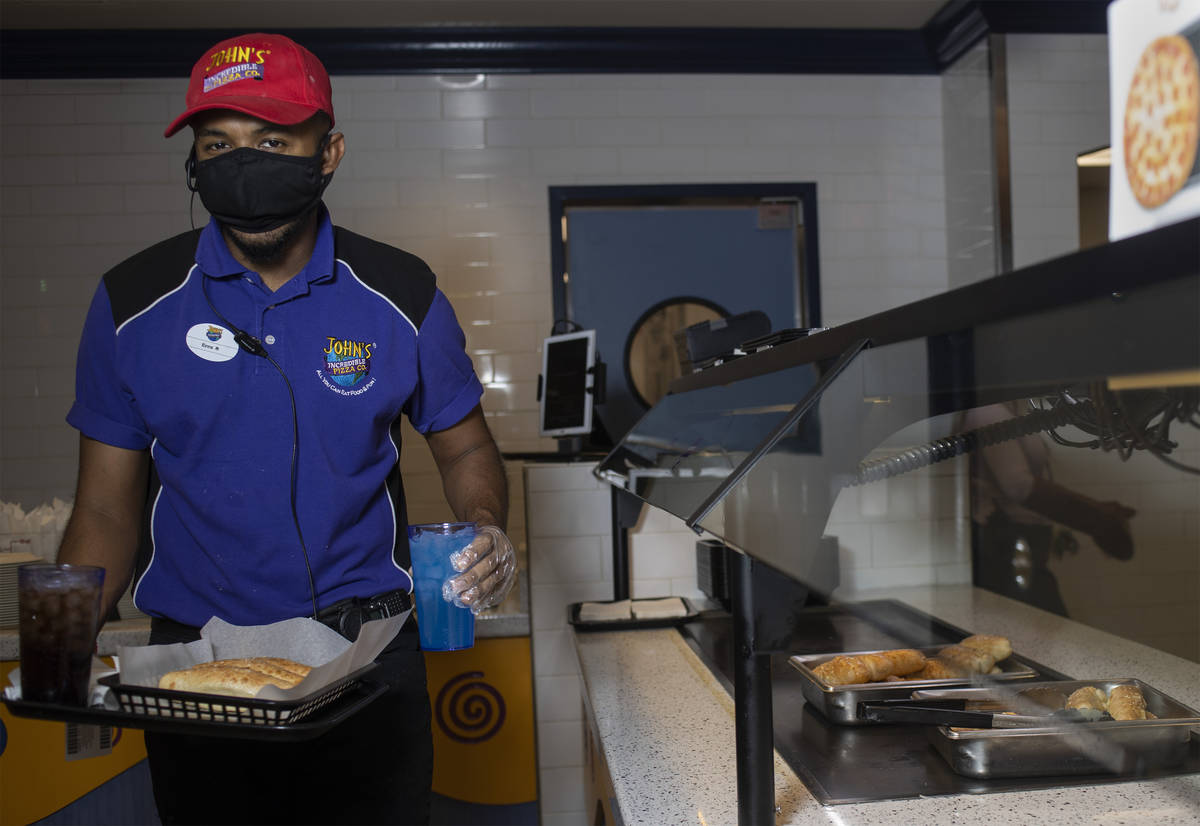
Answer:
(362, 334)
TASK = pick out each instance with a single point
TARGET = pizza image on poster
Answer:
(1154, 73)
(1162, 120)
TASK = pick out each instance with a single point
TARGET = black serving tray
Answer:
(630, 624)
(184, 712)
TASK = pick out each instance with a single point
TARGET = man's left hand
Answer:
(488, 569)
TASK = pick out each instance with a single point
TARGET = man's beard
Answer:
(263, 249)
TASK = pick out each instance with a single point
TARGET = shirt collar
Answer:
(215, 259)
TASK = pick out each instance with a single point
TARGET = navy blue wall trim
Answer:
(1046, 16)
(30, 53)
(960, 24)
(951, 32)
(63, 53)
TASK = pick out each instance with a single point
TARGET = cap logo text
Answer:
(239, 62)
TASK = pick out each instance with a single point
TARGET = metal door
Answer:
(622, 259)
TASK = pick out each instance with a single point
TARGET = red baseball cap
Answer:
(268, 76)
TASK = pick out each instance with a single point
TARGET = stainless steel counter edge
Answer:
(137, 632)
(667, 730)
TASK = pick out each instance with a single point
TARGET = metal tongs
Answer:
(955, 713)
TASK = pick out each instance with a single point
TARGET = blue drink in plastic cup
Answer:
(443, 625)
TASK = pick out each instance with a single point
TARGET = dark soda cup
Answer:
(59, 608)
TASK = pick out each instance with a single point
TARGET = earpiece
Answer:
(189, 168)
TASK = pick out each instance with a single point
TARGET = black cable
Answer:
(940, 450)
(1105, 415)
(253, 346)
(1154, 448)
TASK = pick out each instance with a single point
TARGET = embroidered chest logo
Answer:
(347, 365)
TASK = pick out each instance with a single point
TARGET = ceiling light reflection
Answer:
(464, 81)
(1097, 157)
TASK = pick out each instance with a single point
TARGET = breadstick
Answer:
(842, 670)
(242, 677)
(869, 668)
(299, 669)
(999, 647)
(895, 663)
(972, 660)
(1088, 697)
(936, 669)
(1125, 702)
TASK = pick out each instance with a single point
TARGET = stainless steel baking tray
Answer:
(1112, 747)
(840, 703)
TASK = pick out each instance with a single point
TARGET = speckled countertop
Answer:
(667, 728)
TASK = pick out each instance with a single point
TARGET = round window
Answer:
(653, 357)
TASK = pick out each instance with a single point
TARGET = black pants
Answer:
(374, 768)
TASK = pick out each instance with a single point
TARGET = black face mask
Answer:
(257, 191)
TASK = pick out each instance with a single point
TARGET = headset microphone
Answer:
(247, 342)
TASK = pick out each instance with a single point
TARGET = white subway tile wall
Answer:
(910, 529)
(455, 169)
(970, 208)
(568, 562)
(1057, 109)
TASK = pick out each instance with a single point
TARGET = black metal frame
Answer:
(1107, 271)
(754, 735)
(626, 508)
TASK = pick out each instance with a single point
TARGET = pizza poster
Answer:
(1154, 93)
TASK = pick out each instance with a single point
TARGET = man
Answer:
(239, 391)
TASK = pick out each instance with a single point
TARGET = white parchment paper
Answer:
(96, 692)
(307, 641)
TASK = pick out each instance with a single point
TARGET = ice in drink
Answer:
(443, 625)
(59, 608)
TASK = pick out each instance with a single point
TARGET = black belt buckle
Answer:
(387, 605)
(347, 616)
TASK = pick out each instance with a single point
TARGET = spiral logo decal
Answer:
(468, 709)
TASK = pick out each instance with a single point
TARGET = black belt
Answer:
(346, 616)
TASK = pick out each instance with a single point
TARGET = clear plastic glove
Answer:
(488, 569)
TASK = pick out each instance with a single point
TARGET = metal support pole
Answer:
(620, 542)
(1002, 159)
(754, 738)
